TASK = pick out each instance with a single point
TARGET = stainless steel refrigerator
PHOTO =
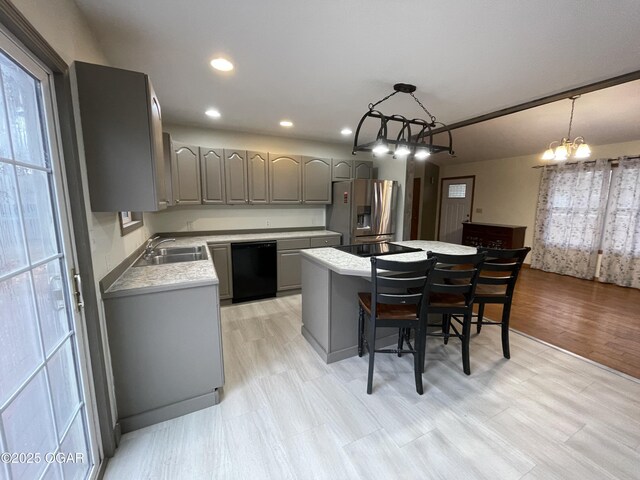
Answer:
(363, 210)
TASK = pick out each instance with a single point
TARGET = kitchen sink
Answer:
(173, 255)
(180, 250)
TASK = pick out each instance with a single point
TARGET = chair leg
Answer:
(466, 333)
(446, 326)
(372, 353)
(400, 340)
(480, 316)
(418, 361)
(421, 339)
(360, 331)
(506, 312)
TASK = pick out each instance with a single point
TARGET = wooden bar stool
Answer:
(496, 284)
(398, 288)
(452, 286)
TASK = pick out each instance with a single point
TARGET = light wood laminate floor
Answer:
(544, 414)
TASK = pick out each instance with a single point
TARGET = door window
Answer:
(43, 411)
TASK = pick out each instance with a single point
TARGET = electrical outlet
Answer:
(268, 223)
(478, 210)
(190, 226)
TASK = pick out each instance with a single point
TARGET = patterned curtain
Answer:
(621, 245)
(569, 218)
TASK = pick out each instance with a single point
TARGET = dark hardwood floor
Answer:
(592, 319)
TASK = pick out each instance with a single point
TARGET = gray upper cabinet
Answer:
(316, 180)
(120, 125)
(168, 154)
(235, 167)
(285, 178)
(212, 172)
(258, 166)
(341, 170)
(186, 174)
(362, 169)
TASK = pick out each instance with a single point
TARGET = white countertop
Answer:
(347, 264)
(155, 278)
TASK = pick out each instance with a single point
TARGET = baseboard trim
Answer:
(584, 359)
(346, 352)
(161, 414)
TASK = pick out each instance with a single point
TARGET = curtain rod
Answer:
(633, 157)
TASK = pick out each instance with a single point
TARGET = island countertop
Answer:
(347, 264)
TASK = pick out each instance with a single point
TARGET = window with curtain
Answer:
(621, 243)
(569, 218)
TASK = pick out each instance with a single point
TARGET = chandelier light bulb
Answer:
(548, 154)
(422, 154)
(402, 151)
(583, 151)
(561, 153)
(380, 148)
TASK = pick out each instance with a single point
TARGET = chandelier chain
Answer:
(573, 104)
(432, 117)
(373, 105)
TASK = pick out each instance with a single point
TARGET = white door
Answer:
(456, 199)
(46, 409)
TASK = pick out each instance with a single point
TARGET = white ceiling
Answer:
(610, 115)
(320, 64)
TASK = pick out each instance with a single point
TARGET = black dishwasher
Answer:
(255, 270)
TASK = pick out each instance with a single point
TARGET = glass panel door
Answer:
(44, 413)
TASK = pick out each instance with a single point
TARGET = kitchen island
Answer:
(331, 280)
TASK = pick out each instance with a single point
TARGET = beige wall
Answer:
(506, 189)
(230, 217)
(62, 24)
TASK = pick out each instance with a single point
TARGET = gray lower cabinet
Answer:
(329, 241)
(341, 170)
(166, 353)
(316, 180)
(285, 179)
(212, 173)
(185, 167)
(235, 169)
(362, 169)
(258, 167)
(221, 255)
(289, 274)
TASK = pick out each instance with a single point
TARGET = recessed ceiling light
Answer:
(286, 123)
(213, 113)
(222, 64)
(346, 131)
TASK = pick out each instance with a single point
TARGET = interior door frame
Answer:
(473, 196)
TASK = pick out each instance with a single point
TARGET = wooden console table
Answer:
(491, 235)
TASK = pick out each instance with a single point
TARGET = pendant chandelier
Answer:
(414, 137)
(566, 148)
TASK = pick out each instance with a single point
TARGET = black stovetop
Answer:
(376, 249)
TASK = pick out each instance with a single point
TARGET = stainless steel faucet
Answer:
(150, 247)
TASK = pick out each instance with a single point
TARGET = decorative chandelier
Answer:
(414, 136)
(566, 148)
